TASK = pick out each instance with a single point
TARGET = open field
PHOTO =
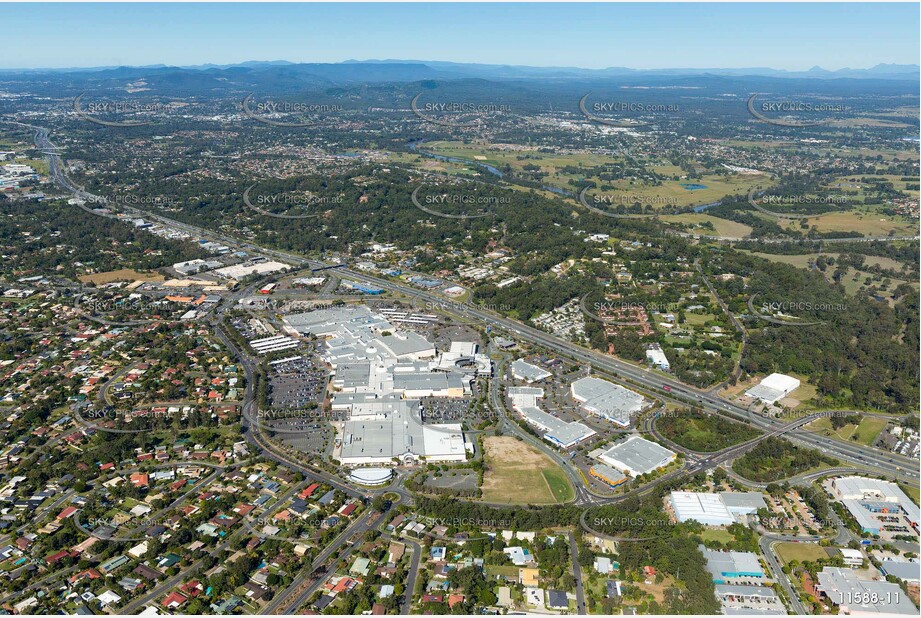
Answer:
(721, 227)
(855, 183)
(865, 433)
(716, 187)
(122, 274)
(806, 260)
(503, 570)
(713, 534)
(870, 122)
(854, 281)
(8, 144)
(39, 165)
(457, 170)
(697, 319)
(908, 154)
(869, 221)
(803, 552)
(803, 394)
(432, 165)
(517, 473)
(912, 491)
(670, 192)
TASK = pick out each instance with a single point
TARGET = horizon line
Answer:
(200, 65)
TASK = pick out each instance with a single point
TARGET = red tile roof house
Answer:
(68, 512)
(56, 557)
(309, 490)
(347, 509)
(87, 574)
(174, 600)
(344, 584)
(192, 588)
(243, 509)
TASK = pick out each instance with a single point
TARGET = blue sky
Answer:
(784, 36)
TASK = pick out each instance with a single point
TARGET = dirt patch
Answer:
(509, 451)
(123, 274)
(515, 473)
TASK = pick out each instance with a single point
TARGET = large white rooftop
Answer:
(562, 433)
(862, 489)
(401, 433)
(522, 370)
(861, 596)
(773, 388)
(714, 509)
(637, 456)
(608, 400)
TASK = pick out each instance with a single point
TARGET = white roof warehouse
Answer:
(607, 400)
(637, 456)
(773, 388)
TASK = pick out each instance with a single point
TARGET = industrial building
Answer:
(907, 571)
(715, 509)
(877, 505)
(196, 266)
(362, 288)
(607, 474)
(607, 400)
(657, 358)
(738, 600)
(773, 388)
(557, 431)
(637, 456)
(853, 595)
(851, 557)
(731, 566)
(239, 271)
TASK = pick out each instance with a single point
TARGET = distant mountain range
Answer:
(492, 71)
(413, 70)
